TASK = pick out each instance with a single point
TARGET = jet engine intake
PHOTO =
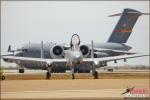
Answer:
(85, 50)
(57, 51)
(7, 60)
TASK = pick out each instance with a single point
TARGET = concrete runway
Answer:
(32, 85)
(69, 89)
(41, 75)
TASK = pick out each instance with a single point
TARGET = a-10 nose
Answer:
(77, 57)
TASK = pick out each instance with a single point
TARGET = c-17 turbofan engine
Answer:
(57, 51)
(85, 50)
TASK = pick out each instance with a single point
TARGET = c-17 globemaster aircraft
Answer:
(73, 57)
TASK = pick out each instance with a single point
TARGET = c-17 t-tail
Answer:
(125, 25)
(116, 43)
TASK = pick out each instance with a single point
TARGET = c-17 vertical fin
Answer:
(125, 25)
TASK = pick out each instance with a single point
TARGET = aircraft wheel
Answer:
(96, 75)
(73, 76)
(48, 75)
(21, 70)
(2, 77)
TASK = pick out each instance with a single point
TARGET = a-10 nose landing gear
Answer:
(72, 72)
(48, 73)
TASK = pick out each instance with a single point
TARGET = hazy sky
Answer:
(56, 21)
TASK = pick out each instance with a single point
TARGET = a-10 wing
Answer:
(43, 61)
(85, 60)
(107, 59)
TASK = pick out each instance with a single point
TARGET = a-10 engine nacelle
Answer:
(100, 54)
(85, 50)
(57, 51)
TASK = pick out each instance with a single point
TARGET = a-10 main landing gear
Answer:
(94, 72)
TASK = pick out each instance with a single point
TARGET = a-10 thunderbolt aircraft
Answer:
(115, 46)
(73, 57)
